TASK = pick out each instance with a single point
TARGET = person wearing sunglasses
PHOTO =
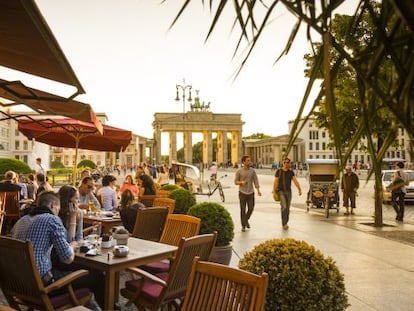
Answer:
(282, 185)
(86, 194)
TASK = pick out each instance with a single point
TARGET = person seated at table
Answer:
(129, 209)
(129, 184)
(44, 228)
(10, 182)
(23, 191)
(32, 187)
(107, 193)
(163, 176)
(86, 194)
(70, 213)
(147, 185)
(43, 184)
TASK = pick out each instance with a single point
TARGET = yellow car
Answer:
(386, 177)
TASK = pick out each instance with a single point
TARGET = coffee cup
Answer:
(93, 237)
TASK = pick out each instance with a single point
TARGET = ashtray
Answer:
(120, 251)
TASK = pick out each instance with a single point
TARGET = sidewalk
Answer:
(378, 271)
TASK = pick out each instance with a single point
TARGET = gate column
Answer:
(188, 147)
(173, 146)
(207, 148)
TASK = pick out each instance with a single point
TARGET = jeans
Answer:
(285, 200)
(397, 199)
(246, 200)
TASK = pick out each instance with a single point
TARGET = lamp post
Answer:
(183, 88)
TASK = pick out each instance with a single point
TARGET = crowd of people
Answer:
(53, 221)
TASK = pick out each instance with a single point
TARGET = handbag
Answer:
(397, 183)
(276, 196)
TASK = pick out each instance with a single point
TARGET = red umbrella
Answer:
(76, 134)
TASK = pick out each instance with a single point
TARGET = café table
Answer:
(106, 222)
(140, 252)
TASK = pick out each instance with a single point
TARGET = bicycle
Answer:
(213, 187)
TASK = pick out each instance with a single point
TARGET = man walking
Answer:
(246, 179)
(282, 185)
(349, 187)
(398, 191)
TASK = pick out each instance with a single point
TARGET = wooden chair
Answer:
(216, 287)
(163, 192)
(150, 223)
(21, 283)
(148, 199)
(2, 209)
(155, 291)
(11, 209)
(170, 203)
(178, 226)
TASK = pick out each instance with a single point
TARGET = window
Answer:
(310, 146)
(317, 146)
(323, 134)
(323, 146)
(25, 145)
(16, 132)
(17, 145)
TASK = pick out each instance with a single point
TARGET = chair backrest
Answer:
(188, 249)
(150, 223)
(163, 192)
(2, 208)
(11, 204)
(170, 203)
(179, 226)
(216, 287)
(148, 199)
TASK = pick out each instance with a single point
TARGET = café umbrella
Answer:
(71, 133)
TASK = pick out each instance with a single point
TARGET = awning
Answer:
(27, 44)
(45, 103)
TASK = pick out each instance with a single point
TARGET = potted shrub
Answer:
(300, 277)
(121, 236)
(170, 187)
(214, 217)
(184, 199)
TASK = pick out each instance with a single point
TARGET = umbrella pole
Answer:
(76, 162)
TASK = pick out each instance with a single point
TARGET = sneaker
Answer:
(243, 229)
(285, 227)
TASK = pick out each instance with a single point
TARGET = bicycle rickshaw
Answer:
(189, 177)
(323, 184)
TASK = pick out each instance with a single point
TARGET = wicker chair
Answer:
(150, 223)
(177, 227)
(154, 291)
(22, 285)
(170, 203)
(216, 287)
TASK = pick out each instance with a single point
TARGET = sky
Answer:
(129, 63)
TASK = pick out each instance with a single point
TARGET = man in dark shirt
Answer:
(10, 183)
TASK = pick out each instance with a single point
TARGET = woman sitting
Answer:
(147, 185)
(129, 209)
(107, 193)
(70, 213)
(129, 184)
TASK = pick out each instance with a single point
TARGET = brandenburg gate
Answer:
(200, 121)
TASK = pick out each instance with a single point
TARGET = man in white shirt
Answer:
(39, 167)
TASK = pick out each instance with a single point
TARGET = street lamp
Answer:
(183, 87)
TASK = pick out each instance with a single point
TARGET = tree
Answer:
(391, 45)
(11, 164)
(56, 164)
(86, 163)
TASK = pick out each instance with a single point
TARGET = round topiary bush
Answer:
(300, 277)
(184, 199)
(11, 164)
(86, 163)
(170, 187)
(214, 217)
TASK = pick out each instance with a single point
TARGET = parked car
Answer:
(386, 177)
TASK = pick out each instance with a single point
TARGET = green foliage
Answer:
(214, 217)
(56, 164)
(11, 164)
(257, 136)
(183, 200)
(300, 277)
(60, 171)
(170, 187)
(86, 163)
